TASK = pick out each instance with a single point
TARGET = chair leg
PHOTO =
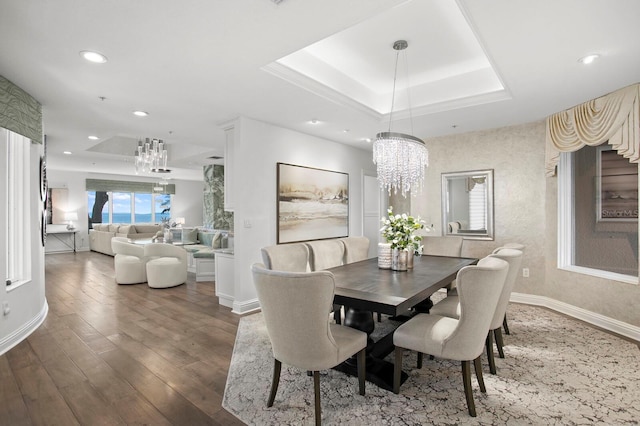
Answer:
(499, 342)
(274, 382)
(477, 363)
(362, 373)
(505, 325)
(468, 392)
(397, 370)
(379, 317)
(420, 358)
(490, 358)
(316, 390)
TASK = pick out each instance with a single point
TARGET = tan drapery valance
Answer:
(614, 117)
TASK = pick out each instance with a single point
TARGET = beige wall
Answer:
(525, 211)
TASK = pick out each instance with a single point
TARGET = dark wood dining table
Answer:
(363, 289)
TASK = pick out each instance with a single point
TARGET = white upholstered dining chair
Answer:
(286, 257)
(325, 254)
(310, 341)
(479, 288)
(355, 249)
(450, 307)
(515, 246)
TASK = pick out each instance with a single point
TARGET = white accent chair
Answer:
(479, 288)
(325, 254)
(450, 307)
(167, 265)
(129, 261)
(307, 339)
(441, 246)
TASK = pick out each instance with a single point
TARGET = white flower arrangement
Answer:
(399, 230)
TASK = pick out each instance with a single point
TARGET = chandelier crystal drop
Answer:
(400, 158)
(151, 156)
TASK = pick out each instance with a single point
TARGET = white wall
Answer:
(187, 201)
(27, 303)
(258, 147)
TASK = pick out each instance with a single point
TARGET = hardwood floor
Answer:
(119, 354)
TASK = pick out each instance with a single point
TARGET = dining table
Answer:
(364, 288)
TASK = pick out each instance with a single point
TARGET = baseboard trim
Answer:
(23, 332)
(246, 307)
(598, 320)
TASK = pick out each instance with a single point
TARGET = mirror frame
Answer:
(489, 234)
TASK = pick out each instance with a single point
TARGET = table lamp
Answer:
(70, 217)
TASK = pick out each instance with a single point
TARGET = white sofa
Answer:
(101, 234)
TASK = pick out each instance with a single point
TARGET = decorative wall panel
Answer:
(19, 111)
(214, 216)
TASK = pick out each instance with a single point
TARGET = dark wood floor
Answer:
(115, 355)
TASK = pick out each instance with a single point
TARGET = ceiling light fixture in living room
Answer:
(151, 156)
(400, 158)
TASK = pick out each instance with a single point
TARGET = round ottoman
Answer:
(163, 272)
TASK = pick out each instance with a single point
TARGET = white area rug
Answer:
(557, 371)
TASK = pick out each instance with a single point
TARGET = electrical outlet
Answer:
(525, 272)
(5, 308)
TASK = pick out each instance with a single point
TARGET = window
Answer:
(477, 206)
(16, 159)
(128, 207)
(588, 244)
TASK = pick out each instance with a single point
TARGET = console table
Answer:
(61, 240)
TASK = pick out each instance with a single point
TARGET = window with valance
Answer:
(589, 243)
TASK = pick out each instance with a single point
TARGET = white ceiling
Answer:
(196, 64)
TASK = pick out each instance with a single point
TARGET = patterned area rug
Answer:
(556, 371)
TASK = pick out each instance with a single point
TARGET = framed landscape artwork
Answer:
(313, 204)
(617, 187)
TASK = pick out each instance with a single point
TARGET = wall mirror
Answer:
(467, 204)
(57, 200)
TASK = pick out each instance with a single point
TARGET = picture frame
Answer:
(617, 187)
(312, 204)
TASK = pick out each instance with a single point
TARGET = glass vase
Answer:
(399, 259)
(410, 256)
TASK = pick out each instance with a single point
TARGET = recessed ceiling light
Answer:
(94, 57)
(140, 113)
(368, 140)
(67, 152)
(345, 131)
(93, 138)
(588, 59)
(314, 121)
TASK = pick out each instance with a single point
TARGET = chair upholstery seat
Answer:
(349, 341)
(426, 333)
(447, 307)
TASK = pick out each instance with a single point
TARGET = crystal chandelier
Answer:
(151, 156)
(400, 158)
